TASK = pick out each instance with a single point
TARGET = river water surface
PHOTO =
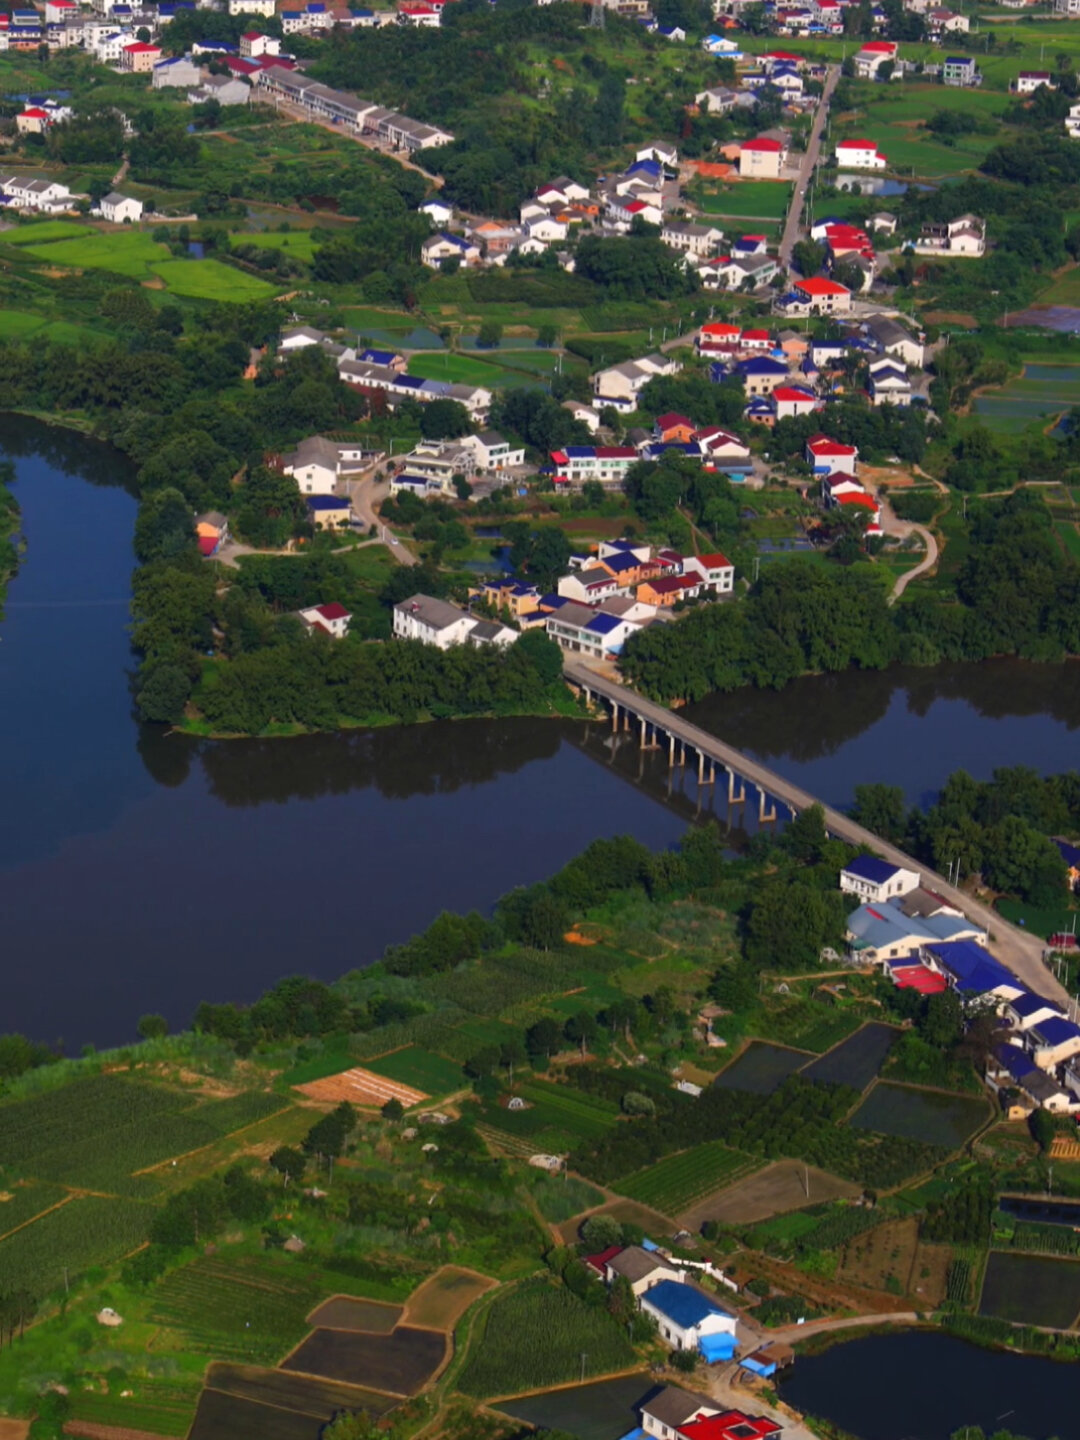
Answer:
(145, 872)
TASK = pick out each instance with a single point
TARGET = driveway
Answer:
(365, 494)
(901, 530)
(806, 169)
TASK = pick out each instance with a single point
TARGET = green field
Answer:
(536, 1335)
(239, 1111)
(1031, 1290)
(586, 1115)
(673, 1185)
(126, 252)
(1038, 393)
(420, 1069)
(14, 324)
(41, 230)
(88, 1231)
(930, 1116)
(601, 1411)
(211, 280)
(457, 369)
(750, 199)
(25, 1202)
(298, 243)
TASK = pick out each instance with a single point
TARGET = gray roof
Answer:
(439, 614)
(574, 614)
(114, 198)
(315, 450)
(485, 630)
(887, 331)
(919, 902)
(635, 1262)
(491, 437)
(306, 330)
(674, 1407)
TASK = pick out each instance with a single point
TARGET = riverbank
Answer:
(9, 530)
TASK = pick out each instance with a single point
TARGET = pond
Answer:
(923, 1385)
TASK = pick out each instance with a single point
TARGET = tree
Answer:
(490, 334)
(547, 335)
(393, 1109)
(806, 836)
(943, 1022)
(164, 528)
(600, 1232)
(1043, 1129)
(543, 1039)
(462, 488)
(444, 420)
(289, 1163)
(582, 1029)
(880, 808)
(153, 1027)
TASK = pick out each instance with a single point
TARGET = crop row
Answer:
(674, 1184)
(85, 1232)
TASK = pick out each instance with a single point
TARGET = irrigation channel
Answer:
(146, 872)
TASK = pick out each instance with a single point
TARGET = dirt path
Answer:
(902, 530)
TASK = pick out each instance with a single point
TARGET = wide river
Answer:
(141, 871)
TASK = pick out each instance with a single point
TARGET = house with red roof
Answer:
(331, 619)
(673, 428)
(139, 58)
(874, 54)
(716, 571)
(821, 296)
(253, 45)
(32, 121)
(716, 443)
(790, 401)
(623, 211)
(717, 336)
(211, 532)
(827, 456)
(761, 158)
(838, 484)
(859, 155)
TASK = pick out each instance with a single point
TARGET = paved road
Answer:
(1020, 952)
(365, 495)
(806, 169)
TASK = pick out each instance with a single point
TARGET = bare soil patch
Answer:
(772, 1191)
(443, 1298)
(397, 1364)
(882, 1258)
(361, 1087)
(627, 1212)
(342, 1312)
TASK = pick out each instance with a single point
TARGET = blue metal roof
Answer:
(1069, 853)
(973, 970)
(618, 563)
(1014, 1060)
(377, 357)
(682, 1304)
(762, 366)
(1028, 1004)
(603, 624)
(872, 868)
(327, 502)
(1056, 1031)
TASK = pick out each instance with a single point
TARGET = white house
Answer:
(859, 155)
(1028, 81)
(871, 57)
(437, 622)
(660, 151)
(688, 1320)
(716, 571)
(37, 193)
(445, 246)
(438, 212)
(332, 618)
(690, 237)
(268, 8)
(178, 71)
(584, 630)
(642, 1268)
(492, 451)
(761, 158)
(117, 208)
(888, 383)
(1072, 120)
(826, 456)
(875, 880)
(1053, 1041)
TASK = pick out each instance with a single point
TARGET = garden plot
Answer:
(424, 1072)
(305, 1393)
(226, 1417)
(855, 1061)
(762, 1068)
(342, 1312)
(397, 1364)
(91, 1230)
(361, 1087)
(605, 1410)
(443, 1298)
(1031, 1290)
(930, 1116)
(779, 1187)
(674, 1184)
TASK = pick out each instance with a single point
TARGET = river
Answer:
(146, 872)
(922, 1385)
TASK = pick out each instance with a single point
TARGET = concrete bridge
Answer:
(658, 728)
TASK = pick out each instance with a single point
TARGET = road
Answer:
(365, 495)
(806, 168)
(1019, 952)
(892, 525)
(792, 1334)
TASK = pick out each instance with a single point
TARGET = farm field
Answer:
(14, 324)
(890, 1256)
(676, 1183)
(762, 1068)
(931, 1116)
(444, 1297)
(342, 1312)
(1040, 392)
(298, 243)
(127, 252)
(856, 1060)
(91, 1230)
(458, 369)
(360, 1086)
(419, 1069)
(41, 230)
(23, 1202)
(561, 1198)
(306, 1393)
(210, 280)
(535, 1335)
(1031, 1290)
(587, 1115)
(750, 199)
(224, 1417)
(397, 1364)
(773, 1191)
(604, 1410)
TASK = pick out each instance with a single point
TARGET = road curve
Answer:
(806, 168)
(1019, 952)
(892, 525)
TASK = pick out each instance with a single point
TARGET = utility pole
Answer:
(584, 1357)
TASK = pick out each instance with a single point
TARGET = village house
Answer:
(870, 58)
(960, 70)
(331, 619)
(175, 72)
(589, 585)
(585, 631)
(715, 569)
(211, 532)
(608, 464)
(761, 158)
(328, 512)
(439, 623)
(318, 463)
(965, 236)
(1028, 81)
(511, 595)
(491, 451)
(119, 208)
(888, 383)
(891, 338)
(821, 296)
(883, 933)
(716, 101)
(826, 456)
(139, 58)
(445, 246)
(27, 192)
(620, 385)
(225, 89)
(859, 155)
(970, 971)
(760, 374)
(875, 880)
(691, 238)
(688, 1320)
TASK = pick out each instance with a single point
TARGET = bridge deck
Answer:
(1020, 952)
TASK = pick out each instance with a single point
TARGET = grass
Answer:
(561, 1199)
(536, 1335)
(43, 230)
(930, 1116)
(14, 324)
(751, 200)
(26, 1201)
(1043, 922)
(298, 243)
(210, 280)
(457, 369)
(420, 1069)
(584, 1115)
(673, 1185)
(88, 1231)
(127, 252)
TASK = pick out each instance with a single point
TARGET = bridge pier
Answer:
(766, 809)
(732, 781)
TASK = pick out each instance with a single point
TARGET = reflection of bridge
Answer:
(659, 728)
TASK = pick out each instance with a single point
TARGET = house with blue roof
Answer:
(390, 358)
(1053, 1041)
(689, 1320)
(874, 880)
(1070, 853)
(761, 374)
(878, 934)
(970, 971)
(1027, 1010)
(1011, 1068)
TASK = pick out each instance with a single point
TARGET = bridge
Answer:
(659, 728)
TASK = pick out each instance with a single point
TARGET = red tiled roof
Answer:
(668, 584)
(333, 611)
(597, 1262)
(668, 422)
(858, 497)
(879, 47)
(208, 544)
(716, 327)
(822, 445)
(714, 561)
(772, 147)
(756, 335)
(34, 114)
(139, 48)
(788, 392)
(615, 452)
(818, 285)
